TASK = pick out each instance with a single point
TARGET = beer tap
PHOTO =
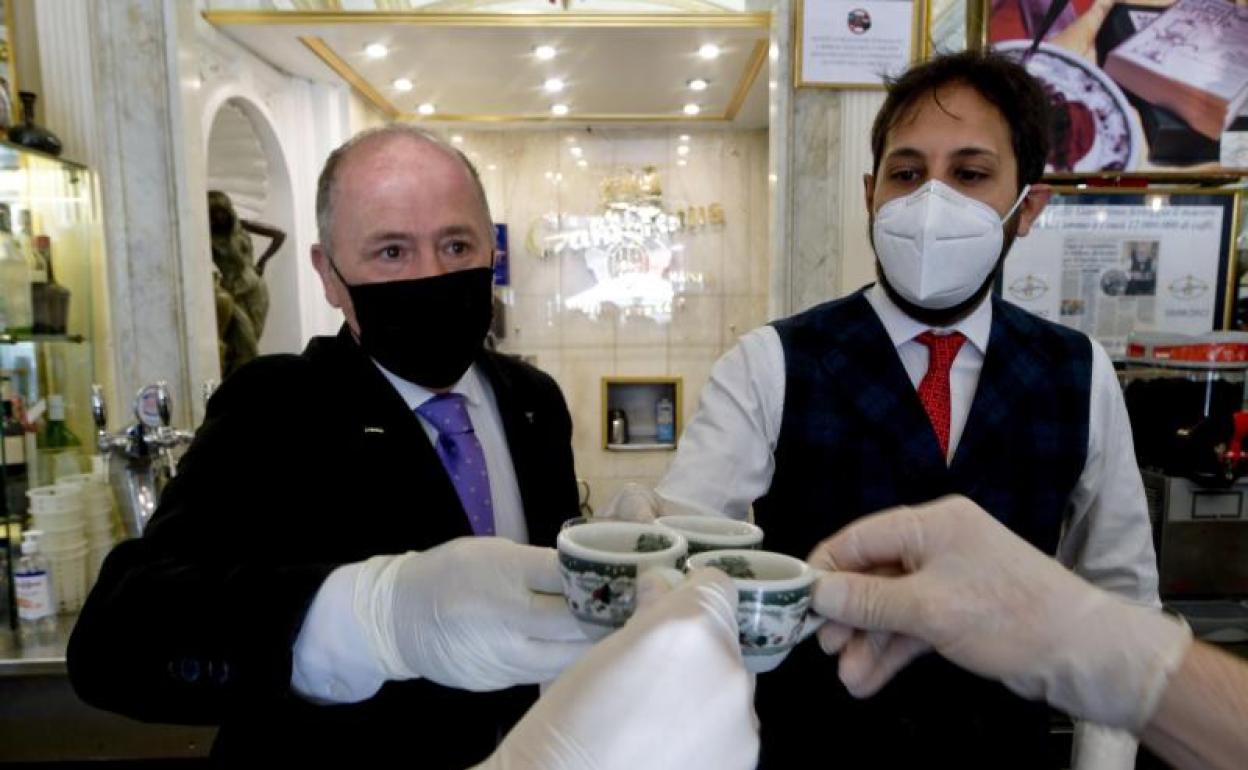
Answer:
(143, 452)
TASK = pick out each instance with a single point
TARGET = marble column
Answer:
(119, 90)
(820, 147)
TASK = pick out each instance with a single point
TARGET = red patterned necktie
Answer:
(934, 387)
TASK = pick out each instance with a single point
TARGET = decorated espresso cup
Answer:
(600, 561)
(774, 593)
(713, 533)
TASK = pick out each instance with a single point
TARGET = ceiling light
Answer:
(682, 162)
(709, 51)
(402, 84)
(376, 51)
(491, 167)
(576, 151)
(457, 139)
(426, 108)
(682, 150)
(559, 110)
(692, 109)
(771, 84)
(553, 85)
(545, 52)
(582, 163)
(774, 52)
(684, 137)
(698, 84)
(570, 139)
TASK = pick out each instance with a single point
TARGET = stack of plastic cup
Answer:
(57, 511)
(98, 515)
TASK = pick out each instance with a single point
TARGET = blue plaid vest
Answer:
(854, 439)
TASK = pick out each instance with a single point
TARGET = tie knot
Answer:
(942, 348)
(447, 413)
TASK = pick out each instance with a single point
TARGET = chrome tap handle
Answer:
(98, 411)
(162, 403)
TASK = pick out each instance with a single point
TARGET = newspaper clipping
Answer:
(1110, 269)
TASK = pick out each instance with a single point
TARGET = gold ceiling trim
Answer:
(326, 54)
(571, 118)
(752, 68)
(335, 62)
(496, 20)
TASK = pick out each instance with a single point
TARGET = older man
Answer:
(338, 562)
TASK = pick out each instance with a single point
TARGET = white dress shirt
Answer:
(332, 660)
(725, 461)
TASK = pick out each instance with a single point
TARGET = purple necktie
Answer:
(461, 455)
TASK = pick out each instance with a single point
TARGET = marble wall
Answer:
(531, 174)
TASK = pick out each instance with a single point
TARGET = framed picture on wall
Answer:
(946, 26)
(1138, 86)
(1116, 261)
(855, 43)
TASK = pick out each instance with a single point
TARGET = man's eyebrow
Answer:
(973, 151)
(388, 235)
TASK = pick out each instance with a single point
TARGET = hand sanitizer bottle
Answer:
(32, 583)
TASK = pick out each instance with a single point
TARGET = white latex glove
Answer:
(991, 603)
(634, 502)
(668, 691)
(475, 613)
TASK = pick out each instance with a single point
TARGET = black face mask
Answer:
(425, 330)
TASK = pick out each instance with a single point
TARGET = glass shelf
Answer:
(12, 339)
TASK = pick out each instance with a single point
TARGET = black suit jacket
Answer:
(304, 463)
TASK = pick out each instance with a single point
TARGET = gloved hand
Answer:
(634, 502)
(668, 691)
(991, 603)
(476, 613)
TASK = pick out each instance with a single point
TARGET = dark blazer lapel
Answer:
(389, 433)
(517, 413)
(866, 370)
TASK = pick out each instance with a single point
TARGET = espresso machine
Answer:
(1185, 399)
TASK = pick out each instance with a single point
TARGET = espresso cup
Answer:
(774, 593)
(600, 561)
(713, 533)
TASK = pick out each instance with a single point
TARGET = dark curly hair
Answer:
(1002, 82)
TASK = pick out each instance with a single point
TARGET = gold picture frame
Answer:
(803, 79)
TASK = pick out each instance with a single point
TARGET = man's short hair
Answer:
(1001, 82)
(329, 172)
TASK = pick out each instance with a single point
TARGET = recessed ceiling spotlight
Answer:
(698, 84)
(545, 52)
(692, 109)
(682, 162)
(576, 151)
(559, 110)
(709, 51)
(553, 85)
(682, 150)
(771, 84)
(427, 108)
(491, 167)
(684, 137)
(582, 163)
(402, 84)
(376, 51)
(457, 139)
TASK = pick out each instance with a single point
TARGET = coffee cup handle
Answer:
(813, 621)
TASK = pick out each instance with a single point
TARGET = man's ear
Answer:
(332, 287)
(868, 190)
(1029, 210)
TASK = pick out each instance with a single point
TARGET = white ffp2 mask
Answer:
(938, 246)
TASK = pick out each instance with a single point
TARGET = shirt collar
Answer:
(901, 328)
(469, 386)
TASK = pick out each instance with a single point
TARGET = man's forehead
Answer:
(956, 108)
